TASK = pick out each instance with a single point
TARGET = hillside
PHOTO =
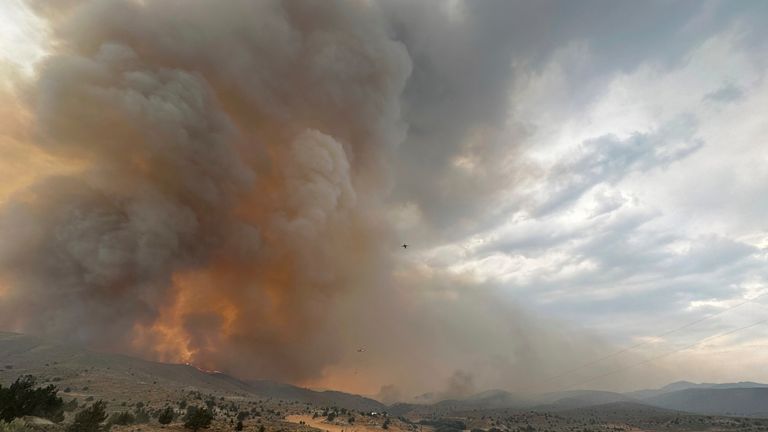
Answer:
(751, 402)
(684, 385)
(581, 398)
(490, 399)
(277, 390)
(84, 373)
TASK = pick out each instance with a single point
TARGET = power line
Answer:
(667, 354)
(640, 344)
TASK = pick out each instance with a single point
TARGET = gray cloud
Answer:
(235, 163)
(608, 159)
(459, 98)
(727, 93)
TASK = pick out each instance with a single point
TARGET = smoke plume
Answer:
(233, 158)
(225, 204)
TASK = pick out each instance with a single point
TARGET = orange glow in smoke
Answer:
(167, 337)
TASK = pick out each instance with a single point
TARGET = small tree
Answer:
(239, 425)
(386, 424)
(166, 416)
(197, 418)
(23, 399)
(89, 419)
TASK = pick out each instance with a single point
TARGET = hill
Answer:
(581, 398)
(684, 385)
(490, 399)
(751, 402)
(83, 373)
(266, 388)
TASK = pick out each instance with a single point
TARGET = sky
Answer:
(571, 178)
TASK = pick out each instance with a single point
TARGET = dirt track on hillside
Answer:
(321, 424)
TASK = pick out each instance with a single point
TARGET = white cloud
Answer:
(648, 204)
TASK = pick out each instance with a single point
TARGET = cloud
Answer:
(233, 184)
(608, 159)
(726, 93)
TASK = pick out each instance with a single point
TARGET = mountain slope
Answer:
(277, 390)
(584, 398)
(719, 401)
(684, 385)
(87, 373)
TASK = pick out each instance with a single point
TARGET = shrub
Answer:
(89, 419)
(166, 415)
(122, 419)
(16, 425)
(239, 425)
(142, 416)
(197, 418)
(23, 399)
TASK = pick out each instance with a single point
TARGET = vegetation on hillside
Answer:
(90, 418)
(23, 398)
(197, 418)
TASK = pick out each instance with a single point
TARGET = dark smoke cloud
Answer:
(234, 163)
(243, 145)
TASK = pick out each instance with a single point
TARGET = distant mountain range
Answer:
(735, 399)
(747, 402)
(83, 372)
(685, 385)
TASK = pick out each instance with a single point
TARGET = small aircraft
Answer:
(360, 350)
(405, 246)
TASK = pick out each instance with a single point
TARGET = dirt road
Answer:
(320, 423)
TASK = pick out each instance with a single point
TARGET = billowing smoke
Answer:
(232, 162)
(226, 204)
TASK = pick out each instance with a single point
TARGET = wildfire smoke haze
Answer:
(234, 162)
(230, 212)
(228, 184)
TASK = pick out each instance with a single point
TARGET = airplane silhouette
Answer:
(405, 246)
